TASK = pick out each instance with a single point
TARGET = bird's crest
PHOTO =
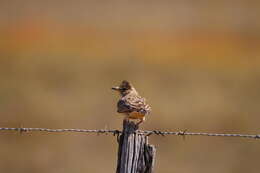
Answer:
(125, 85)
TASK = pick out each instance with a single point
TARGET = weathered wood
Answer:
(135, 155)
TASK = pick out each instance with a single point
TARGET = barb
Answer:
(118, 132)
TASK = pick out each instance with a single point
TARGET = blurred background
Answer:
(196, 62)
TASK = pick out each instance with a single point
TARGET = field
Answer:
(198, 66)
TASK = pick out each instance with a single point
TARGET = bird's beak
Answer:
(115, 88)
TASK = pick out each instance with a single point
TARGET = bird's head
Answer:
(124, 88)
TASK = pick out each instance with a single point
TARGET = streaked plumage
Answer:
(131, 103)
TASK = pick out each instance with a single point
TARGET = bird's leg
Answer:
(126, 118)
(141, 120)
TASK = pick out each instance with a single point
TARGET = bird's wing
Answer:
(123, 106)
(133, 103)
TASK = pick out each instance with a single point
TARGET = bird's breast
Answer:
(136, 115)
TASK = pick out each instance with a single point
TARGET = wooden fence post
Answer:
(135, 155)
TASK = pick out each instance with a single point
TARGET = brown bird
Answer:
(131, 103)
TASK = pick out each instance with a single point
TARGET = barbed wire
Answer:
(117, 132)
(184, 133)
(23, 129)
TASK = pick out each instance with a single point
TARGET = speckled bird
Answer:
(131, 103)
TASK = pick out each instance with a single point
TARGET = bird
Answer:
(131, 103)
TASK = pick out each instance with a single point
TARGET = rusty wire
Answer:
(117, 132)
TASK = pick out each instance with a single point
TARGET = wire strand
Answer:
(144, 132)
